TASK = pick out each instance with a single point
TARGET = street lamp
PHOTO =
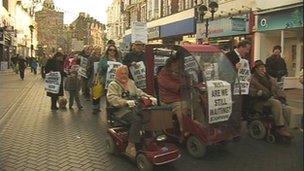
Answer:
(202, 10)
(31, 27)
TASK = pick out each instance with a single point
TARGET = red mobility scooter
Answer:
(204, 124)
(154, 151)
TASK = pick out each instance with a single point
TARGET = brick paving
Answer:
(34, 138)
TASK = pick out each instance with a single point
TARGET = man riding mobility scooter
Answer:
(133, 110)
(190, 84)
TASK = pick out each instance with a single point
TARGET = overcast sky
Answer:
(95, 8)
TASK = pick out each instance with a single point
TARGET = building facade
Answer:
(88, 30)
(115, 23)
(50, 28)
(15, 34)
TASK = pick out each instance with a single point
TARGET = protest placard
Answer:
(112, 66)
(219, 101)
(211, 71)
(242, 83)
(52, 82)
(138, 73)
(159, 61)
(82, 71)
(191, 67)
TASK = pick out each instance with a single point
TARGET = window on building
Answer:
(143, 14)
(153, 9)
(166, 8)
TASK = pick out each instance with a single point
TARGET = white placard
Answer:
(191, 67)
(139, 32)
(82, 71)
(219, 101)
(211, 71)
(159, 61)
(111, 71)
(139, 74)
(242, 80)
(52, 82)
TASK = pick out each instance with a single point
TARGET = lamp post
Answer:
(202, 10)
(31, 27)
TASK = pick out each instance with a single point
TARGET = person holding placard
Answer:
(52, 65)
(84, 55)
(265, 92)
(111, 54)
(136, 55)
(238, 63)
(120, 94)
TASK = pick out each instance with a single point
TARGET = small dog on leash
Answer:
(62, 102)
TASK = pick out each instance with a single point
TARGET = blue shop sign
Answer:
(232, 26)
(289, 18)
(186, 26)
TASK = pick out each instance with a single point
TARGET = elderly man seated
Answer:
(171, 84)
(266, 93)
(119, 95)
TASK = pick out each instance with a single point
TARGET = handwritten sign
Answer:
(112, 67)
(159, 61)
(219, 101)
(139, 74)
(242, 83)
(82, 71)
(191, 67)
(211, 71)
(52, 82)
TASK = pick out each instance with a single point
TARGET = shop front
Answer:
(285, 28)
(5, 42)
(225, 32)
(177, 32)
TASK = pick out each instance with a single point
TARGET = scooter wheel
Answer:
(110, 145)
(143, 163)
(195, 147)
(270, 138)
(257, 130)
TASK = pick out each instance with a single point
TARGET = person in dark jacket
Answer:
(55, 64)
(22, 65)
(136, 55)
(238, 107)
(275, 64)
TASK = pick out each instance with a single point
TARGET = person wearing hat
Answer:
(275, 64)
(265, 92)
(135, 55)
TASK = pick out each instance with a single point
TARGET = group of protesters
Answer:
(93, 59)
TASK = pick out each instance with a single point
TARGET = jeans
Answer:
(74, 95)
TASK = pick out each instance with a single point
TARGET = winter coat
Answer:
(170, 86)
(134, 57)
(116, 99)
(22, 64)
(53, 64)
(269, 88)
(276, 66)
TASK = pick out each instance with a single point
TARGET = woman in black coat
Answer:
(52, 65)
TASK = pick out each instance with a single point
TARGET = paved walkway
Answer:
(34, 138)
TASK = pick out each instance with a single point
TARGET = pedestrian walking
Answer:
(34, 65)
(72, 85)
(275, 64)
(21, 65)
(55, 64)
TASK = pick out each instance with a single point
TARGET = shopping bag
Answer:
(98, 89)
